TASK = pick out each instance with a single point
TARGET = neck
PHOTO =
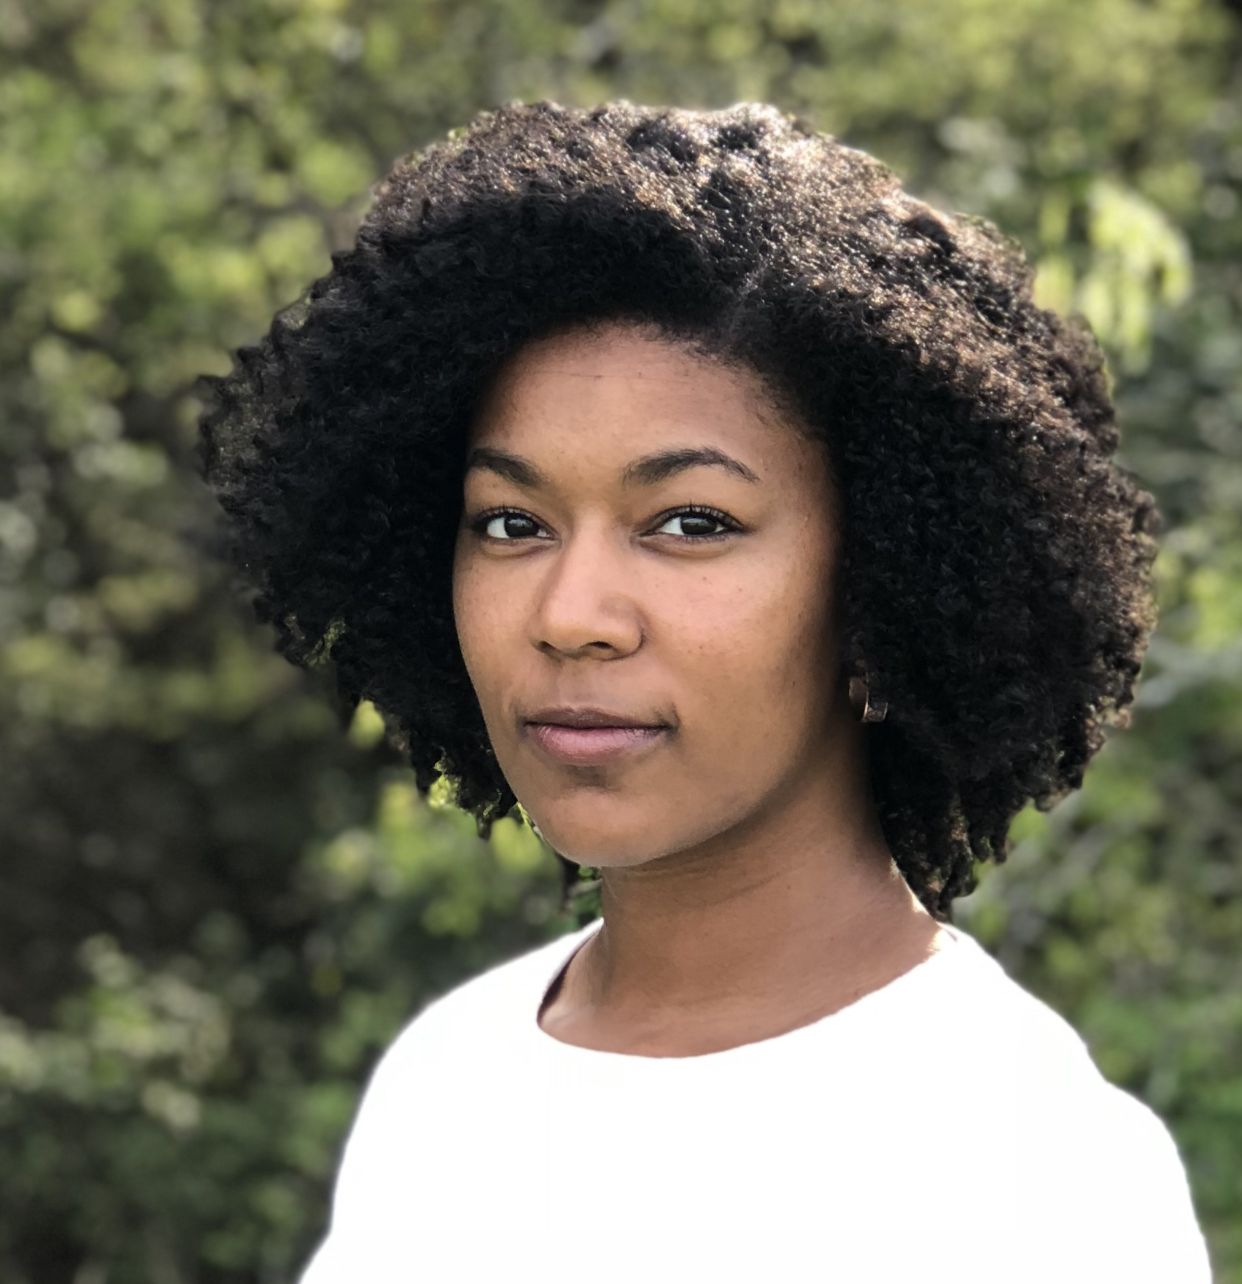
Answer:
(745, 936)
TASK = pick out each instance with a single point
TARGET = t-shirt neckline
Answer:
(871, 1003)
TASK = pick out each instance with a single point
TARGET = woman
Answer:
(676, 474)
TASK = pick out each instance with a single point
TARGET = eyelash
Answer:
(480, 523)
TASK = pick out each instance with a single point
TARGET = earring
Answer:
(860, 698)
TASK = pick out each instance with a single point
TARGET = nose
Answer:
(587, 605)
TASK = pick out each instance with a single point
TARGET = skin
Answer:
(747, 887)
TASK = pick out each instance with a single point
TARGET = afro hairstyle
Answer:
(995, 577)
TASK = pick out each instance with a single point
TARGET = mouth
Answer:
(586, 737)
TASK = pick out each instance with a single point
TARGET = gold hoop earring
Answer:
(860, 698)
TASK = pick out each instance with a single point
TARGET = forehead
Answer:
(617, 390)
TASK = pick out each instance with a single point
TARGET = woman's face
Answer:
(646, 535)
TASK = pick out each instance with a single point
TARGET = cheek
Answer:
(476, 616)
(771, 622)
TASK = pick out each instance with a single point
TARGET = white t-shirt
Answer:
(946, 1127)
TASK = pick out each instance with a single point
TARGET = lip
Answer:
(584, 735)
(582, 715)
(588, 746)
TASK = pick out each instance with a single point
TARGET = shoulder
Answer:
(1100, 1164)
(1118, 1199)
(1007, 1031)
(458, 1038)
(463, 1024)
(1149, 1206)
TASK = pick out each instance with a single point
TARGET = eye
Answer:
(696, 523)
(505, 524)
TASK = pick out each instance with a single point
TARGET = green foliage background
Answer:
(217, 901)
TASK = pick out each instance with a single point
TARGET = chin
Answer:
(601, 850)
(584, 835)
(617, 834)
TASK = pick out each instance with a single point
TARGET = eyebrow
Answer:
(646, 471)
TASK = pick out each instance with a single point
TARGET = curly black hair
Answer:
(995, 578)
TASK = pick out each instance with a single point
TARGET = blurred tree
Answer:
(216, 906)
